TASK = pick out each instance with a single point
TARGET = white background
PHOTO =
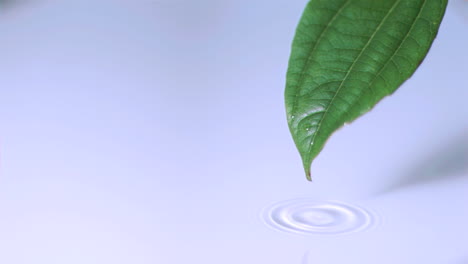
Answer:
(155, 132)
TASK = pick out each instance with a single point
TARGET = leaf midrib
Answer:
(399, 46)
(319, 124)
(309, 57)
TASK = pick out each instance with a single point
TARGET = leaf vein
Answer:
(347, 74)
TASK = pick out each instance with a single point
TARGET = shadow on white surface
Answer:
(446, 160)
(11, 5)
(462, 8)
(414, 221)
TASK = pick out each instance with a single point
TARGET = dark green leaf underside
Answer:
(346, 56)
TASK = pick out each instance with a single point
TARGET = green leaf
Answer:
(346, 56)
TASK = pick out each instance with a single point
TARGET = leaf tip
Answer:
(308, 176)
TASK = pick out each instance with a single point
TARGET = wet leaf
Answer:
(346, 56)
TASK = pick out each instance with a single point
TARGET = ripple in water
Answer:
(306, 216)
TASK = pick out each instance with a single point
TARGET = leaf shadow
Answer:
(8, 5)
(447, 162)
(462, 260)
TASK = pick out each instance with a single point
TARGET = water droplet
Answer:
(306, 216)
(292, 117)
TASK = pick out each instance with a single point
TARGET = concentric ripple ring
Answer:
(307, 216)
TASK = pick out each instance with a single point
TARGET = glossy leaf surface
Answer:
(346, 56)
